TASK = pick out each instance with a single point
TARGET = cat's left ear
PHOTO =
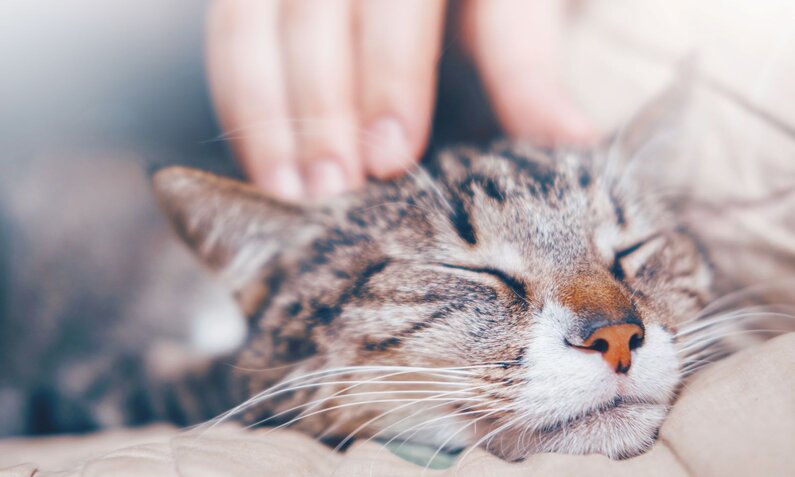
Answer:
(230, 225)
(658, 127)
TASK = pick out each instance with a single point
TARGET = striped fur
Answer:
(459, 264)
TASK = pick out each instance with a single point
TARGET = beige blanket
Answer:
(735, 418)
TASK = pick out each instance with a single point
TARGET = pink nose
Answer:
(615, 343)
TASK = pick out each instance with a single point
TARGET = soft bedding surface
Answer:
(736, 418)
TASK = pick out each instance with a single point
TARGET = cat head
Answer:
(517, 298)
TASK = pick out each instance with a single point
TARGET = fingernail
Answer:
(283, 181)
(325, 177)
(386, 149)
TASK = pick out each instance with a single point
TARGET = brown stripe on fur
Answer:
(395, 341)
(459, 217)
(700, 299)
(271, 285)
(618, 209)
(324, 314)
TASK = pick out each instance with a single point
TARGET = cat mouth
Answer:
(610, 409)
(619, 429)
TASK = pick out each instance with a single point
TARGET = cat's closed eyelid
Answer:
(513, 284)
(649, 245)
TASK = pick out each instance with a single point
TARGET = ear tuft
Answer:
(231, 226)
(180, 183)
(197, 202)
(659, 124)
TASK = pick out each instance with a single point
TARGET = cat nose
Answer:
(615, 343)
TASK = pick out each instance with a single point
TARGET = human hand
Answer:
(317, 95)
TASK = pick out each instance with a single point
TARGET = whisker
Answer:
(347, 395)
(428, 424)
(462, 428)
(706, 351)
(410, 416)
(277, 388)
(306, 121)
(384, 414)
(264, 370)
(711, 333)
(458, 413)
(707, 357)
(363, 403)
(354, 382)
(522, 436)
(489, 435)
(455, 412)
(784, 284)
(386, 444)
(718, 337)
(749, 312)
(692, 362)
(379, 378)
(690, 370)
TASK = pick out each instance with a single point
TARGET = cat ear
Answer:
(658, 127)
(231, 226)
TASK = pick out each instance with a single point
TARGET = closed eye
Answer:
(616, 268)
(513, 284)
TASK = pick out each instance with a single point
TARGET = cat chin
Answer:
(620, 432)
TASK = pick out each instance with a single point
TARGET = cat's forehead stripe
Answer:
(461, 221)
(487, 184)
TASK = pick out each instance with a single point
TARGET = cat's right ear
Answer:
(658, 128)
(230, 225)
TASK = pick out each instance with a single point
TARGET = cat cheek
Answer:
(656, 372)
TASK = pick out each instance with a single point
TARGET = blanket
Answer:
(736, 418)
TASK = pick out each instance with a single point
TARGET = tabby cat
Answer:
(514, 298)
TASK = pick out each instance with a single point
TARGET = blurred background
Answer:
(91, 94)
(90, 75)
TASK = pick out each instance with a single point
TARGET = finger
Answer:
(246, 80)
(319, 64)
(515, 44)
(397, 52)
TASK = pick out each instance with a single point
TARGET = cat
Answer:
(511, 297)
(522, 299)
